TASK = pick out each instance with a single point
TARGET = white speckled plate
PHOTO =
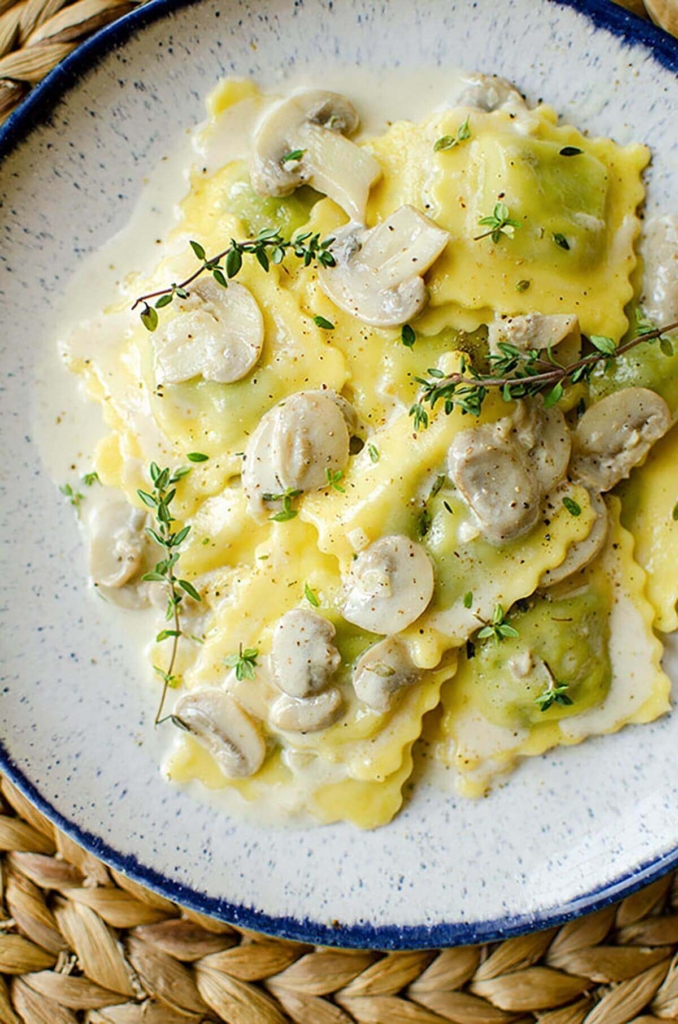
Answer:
(572, 830)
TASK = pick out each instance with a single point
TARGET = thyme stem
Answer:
(268, 247)
(519, 375)
(556, 373)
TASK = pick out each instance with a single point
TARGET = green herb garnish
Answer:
(74, 497)
(572, 507)
(268, 247)
(555, 693)
(333, 478)
(500, 223)
(497, 628)
(320, 321)
(160, 499)
(407, 336)
(244, 662)
(518, 375)
(446, 142)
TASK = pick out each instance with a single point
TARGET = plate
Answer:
(570, 831)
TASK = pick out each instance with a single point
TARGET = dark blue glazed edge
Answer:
(34, 111)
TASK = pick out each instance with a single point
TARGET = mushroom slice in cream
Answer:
(378, 276)
(306, 714)
(117, 546)
(537, 331)
(583, 552)
(545, 438)
(302, 141)
(295, 446)
(217, 334)
(496, 483)
(660, 281)
(389, 586)
(615, 434)
(488, 93)
(303, 655)
(383, 670)
(216, 720)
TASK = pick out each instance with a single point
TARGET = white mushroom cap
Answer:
(383, 670)
(315, 123)
(488, 92)
(306, 714)
(616, 434)
(220, 724)
(378, 276)
(495, 482)
(536, 331)
(217, 334)
(583, 552)
(389, 586)
(310, 436)
(303, 657)
(294, 446)
(117, 543)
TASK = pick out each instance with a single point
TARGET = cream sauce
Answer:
(68, 427)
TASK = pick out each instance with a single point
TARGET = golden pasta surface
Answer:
(391, 532)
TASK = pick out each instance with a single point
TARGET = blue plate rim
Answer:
(35, 111)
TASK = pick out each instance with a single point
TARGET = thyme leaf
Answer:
(268, 247)
(160, 499)
(518, 375)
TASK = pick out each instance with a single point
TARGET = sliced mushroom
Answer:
(383, 670)
(583, 552)
(219, 724)
(218, 334)
(496, 482)
(378, 276)
(615, 434)
(488, 92)
(117, 543)
(310, 437)
(303, 657)
(545, 438)
(306, 714)
(313, 125)
(295, 445)
(660, 280)
(389, 586)
(536, 331)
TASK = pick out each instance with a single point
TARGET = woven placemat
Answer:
(82, 944)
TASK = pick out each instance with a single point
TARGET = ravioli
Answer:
(649, 502)
(300, 455)
(589, 200)
(595, 635)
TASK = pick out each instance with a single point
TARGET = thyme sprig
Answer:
(446, 142)
(160, 499)
(244, 662)
(519, 374)
(268, 247)
(500, 223)
(555, 692)
(497, 628)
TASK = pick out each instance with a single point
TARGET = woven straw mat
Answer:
(81, 944)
